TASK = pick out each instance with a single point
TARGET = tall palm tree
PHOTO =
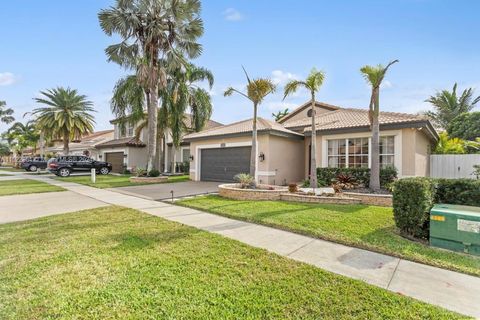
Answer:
(448, 105)
(152, 30)
(257, 90)
(313, 83)
(374, 76)
(6, 113)
(66, 115)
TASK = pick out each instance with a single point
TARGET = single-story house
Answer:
(126, 151)
(343, 140)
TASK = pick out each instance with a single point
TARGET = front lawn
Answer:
(115, 181)
(11, 169)
(367, 227)
(24, 186)
(117, 263)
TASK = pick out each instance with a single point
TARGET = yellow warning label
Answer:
(437, 218)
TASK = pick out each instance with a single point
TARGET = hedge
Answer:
(326, 176)
(413, 198)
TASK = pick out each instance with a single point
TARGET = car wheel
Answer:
(32, 168)
(104, 170)
(64, 172)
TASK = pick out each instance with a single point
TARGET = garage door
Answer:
(116, 159)
(224, 163)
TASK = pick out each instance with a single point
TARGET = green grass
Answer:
(117, 263)
(115, 181)
(11, 169)
(367, 227)
(24, 186)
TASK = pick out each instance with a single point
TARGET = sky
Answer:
(50, 43)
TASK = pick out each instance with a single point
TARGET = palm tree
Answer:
(6, 113)
(257, 90)
(280, 114)
(448, 105)
(66, 115)
(151, 30)
(313, 83)
(21, 136)
(374, 75)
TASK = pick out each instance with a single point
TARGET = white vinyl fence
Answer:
(453, 166)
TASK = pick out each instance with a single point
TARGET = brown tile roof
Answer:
(240, 127)
(129, 141)
(351, 118)
(307, 105)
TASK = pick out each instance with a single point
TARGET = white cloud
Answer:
(7, 78)
(280, 77)
(232, 14)
(280, 105)
(386, 84)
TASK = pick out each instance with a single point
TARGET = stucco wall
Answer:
(285, 158)
(137, 157)
(422, 154)
(408, 152)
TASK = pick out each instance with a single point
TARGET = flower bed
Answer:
(262, 192)
(148, 179)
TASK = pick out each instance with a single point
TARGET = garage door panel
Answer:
(223, 164)
(116, 159)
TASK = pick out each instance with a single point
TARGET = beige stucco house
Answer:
(283, 155)
(126, 151)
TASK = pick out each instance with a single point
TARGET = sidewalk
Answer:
(451, 290)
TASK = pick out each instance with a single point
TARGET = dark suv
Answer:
(64, 165)
(32, 164)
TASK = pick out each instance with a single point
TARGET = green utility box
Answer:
(455, 227)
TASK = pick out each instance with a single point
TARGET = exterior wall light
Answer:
(261, 156)
(191, 158)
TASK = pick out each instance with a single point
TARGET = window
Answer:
(387, 151)
(358, 153)
(126, 130)
(337, 153)
(354, 152)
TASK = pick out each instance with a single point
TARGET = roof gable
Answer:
(327, 107)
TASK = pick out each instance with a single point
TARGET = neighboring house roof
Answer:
(88, 141)
(242, 128)
(187, 121)
(123, 142)
(307, 104)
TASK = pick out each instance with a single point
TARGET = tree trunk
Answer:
(253, 153)
(313, 153)
(152, 110)
(66, 148)
(42, 144)
(174, 158)
(375, 165)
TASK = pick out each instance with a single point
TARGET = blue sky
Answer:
(48, 43)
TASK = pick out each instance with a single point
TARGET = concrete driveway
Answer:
(162, 191)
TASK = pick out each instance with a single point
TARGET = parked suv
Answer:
(63, 166)
(32, 164)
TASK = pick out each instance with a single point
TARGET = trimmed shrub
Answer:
(292, 187)
(412, 200)
(139, 172)
(458, 191)
(153, 173)
(327, 176)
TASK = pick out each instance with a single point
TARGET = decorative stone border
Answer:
(233, 191)
(148, 179)
(318, 199)
(383, 200)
